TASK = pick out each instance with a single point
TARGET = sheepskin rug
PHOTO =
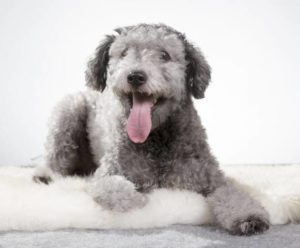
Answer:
(25, 205)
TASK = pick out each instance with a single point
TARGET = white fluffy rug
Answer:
(25, 205)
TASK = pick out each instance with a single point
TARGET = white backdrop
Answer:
(251, 109)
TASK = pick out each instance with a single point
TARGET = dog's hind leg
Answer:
(43, 174)
(68, 148)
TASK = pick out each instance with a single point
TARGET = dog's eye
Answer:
(124, 53)
(165, 56)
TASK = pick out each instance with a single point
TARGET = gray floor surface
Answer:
(176, 236)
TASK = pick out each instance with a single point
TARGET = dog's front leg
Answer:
(112, 190)
(236, 211)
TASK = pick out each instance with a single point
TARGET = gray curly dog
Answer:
(136, 129)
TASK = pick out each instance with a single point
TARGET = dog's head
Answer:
(153, 69)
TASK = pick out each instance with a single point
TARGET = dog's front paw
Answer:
(117, 194)
(251, 225)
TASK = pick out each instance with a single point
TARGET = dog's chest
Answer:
(148, 164)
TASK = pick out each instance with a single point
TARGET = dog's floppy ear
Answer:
(197, 71)
(96, 72)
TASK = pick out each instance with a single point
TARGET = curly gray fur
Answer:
(176, 153)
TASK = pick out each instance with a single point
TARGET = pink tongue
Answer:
(139, 121)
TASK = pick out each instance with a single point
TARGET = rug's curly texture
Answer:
(25, 205)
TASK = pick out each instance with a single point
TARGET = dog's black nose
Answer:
(137, 78)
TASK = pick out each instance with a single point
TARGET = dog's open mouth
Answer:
(139, 121)
(156, 100)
